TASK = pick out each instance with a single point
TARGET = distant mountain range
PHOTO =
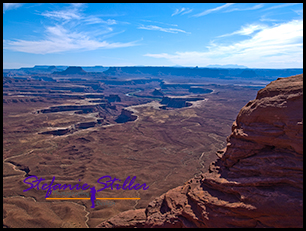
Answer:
(214, 71)
(196, 72)
(45, 69)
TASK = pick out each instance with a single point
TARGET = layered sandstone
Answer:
(257, 180)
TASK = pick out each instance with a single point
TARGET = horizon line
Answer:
(175, 66)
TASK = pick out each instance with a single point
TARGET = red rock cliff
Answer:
(257, 180)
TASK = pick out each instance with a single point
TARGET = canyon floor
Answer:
(85, 130)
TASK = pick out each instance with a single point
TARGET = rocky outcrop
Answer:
(157, 92)
(86, 125)
(113, 98)
(73, 128)
(257, 180)
(125, 116)
(57, 132)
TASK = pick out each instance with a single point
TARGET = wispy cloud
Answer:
(58, 39)
(96, 20)
(187, 11)
(275, 46)
(274, 15)
(74, 13)
(299, 12)
(11, 6)
(168, 30)
(264, 18)
(256, 7)
(213, 10)
(66, 33)
(182, 11)
(164, 23)
(67, 15)
(281, 6)
(246, 30)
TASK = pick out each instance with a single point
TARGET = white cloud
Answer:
(182, 11)
(168, 24)
(187, 11)
(77, 5)
(10, 6)
(68, 34)
(264, 18)
(168, 30)
(59, 39)
(281, 6)
(213, 9)
(74, 13)
(258, 6)
(177, 11)
(245, 30)
(56, 45)
(299, 12)
(69, 14)
(97, 20)
(278, 46)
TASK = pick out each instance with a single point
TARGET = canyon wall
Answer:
(257, 180)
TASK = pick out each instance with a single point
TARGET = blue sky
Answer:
(256, 35)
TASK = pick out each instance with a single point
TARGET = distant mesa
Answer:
(95, 69)
(48, 67)
(52, 68)
(72, 71)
